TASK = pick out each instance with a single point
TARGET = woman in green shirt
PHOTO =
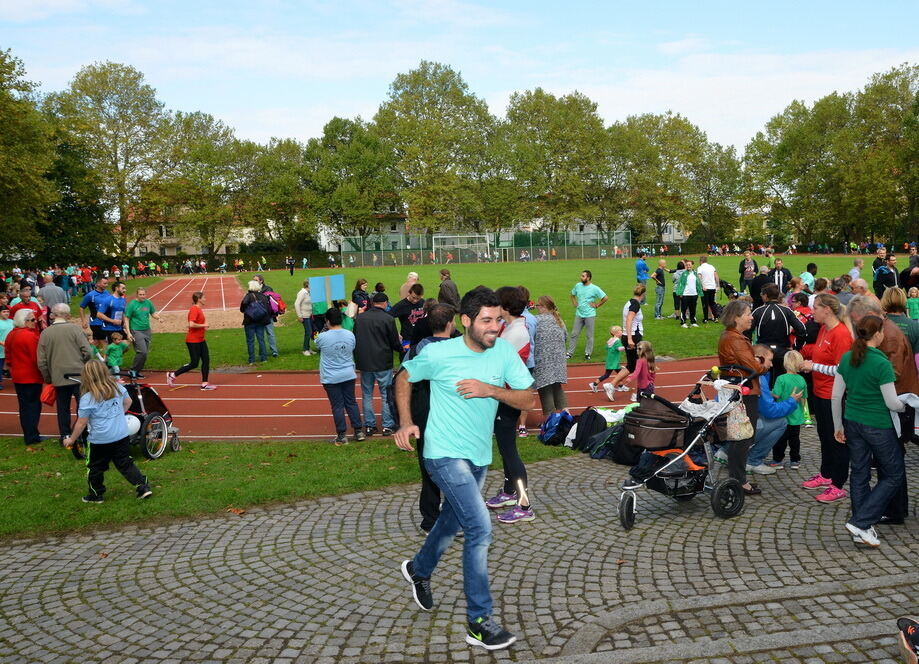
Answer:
(865, 376)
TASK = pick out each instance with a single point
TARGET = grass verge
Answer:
(42, 486)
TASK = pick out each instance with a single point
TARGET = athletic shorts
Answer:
(99, 334)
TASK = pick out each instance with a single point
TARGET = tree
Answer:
(117, 116)
(435, 127)
(352, 177)
(718, 181)
(285, 206)
(26, 155)
(556, 147)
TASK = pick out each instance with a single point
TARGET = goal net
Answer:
(461, 249)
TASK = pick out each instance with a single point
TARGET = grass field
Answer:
(615, 277)
(42, 486)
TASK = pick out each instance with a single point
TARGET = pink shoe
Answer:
(170, 379)
(818, 481)
(832, 494)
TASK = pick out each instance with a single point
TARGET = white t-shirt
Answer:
(706, 273)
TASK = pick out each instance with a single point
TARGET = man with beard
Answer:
(586, 298)
(457, 450)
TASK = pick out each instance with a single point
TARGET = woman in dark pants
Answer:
(735, 348)
(22, 355)
(197, 346)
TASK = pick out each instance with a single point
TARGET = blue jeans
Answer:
(272, 342)
(868, 504)
(384, 380)
(768, 432)
(307, 331)
(341, 398)
(253, 331)
(659, 302)
(463, 508)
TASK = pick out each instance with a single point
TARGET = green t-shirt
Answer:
(347, 323)
(612, 354)
(138, 313)
(913, 307)
(907, 326)
(114, 354)
(864, 403)
(585, 294)
(784, 386)
(460, 428)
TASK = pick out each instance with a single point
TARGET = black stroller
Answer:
(678, 448)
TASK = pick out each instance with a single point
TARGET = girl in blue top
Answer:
(102, 405)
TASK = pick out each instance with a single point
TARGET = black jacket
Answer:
(756, 286)
(247, 299)
(785, 278)
(375, 340)
(774, 322)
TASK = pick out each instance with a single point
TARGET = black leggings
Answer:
(506, 434)
(834, 457)
(197, 352)
(738, 449)
(792, 439)
(688, 309)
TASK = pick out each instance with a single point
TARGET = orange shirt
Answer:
(831, 345)
(195, 334)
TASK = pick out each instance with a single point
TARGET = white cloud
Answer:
(452, 13)
(682, 46)
(22, 11)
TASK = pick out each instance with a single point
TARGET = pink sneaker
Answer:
(818, 481)
(831, 494)
(170, 379)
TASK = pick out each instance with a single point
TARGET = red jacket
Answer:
(22, 356)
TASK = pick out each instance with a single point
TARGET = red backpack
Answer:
(278, 306)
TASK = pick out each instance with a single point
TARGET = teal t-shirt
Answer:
(460, 428)
(864, 403)
(585, 294)
(612, 354)
(784, 386)
(6, 325)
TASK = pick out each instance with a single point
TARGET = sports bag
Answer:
(590, 423)
(256, 309)
(278, 306)
(555, 429)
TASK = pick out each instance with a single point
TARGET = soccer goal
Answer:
(461, 249)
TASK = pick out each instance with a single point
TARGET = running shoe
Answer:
(861, 536)
(91, 498)
(143, 491)
(421, 587)
(387, 431)
(170, 379)
(372, 431)
(818, 481)
(685, 325)
(694, 325)
(634, 397)
(794, 465)
(501, 500)
(623, 388)
(831, 495)
(610, 391)
(208, 386)
(778, 465)
(592, 386)
(760, 469)
(486, 633)
(521, 432)
(587, 358)
(359, 434)
(516, 514)
(340, 439)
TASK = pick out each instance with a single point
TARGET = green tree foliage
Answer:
(281, 199)
(26, 155)
(117, 116)
(718, 182)
(556, 150)
(352, 178)
(437, 128)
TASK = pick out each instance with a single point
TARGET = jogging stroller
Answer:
(678, 447)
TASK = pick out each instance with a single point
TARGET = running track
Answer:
(173, 294)
(293, 405)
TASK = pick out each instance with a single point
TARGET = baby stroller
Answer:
(728, 289)
(156, 428)
(679, 447)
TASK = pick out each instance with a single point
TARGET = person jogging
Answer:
(457, 450)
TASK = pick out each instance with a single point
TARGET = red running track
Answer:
(293, 405)
(172, 294)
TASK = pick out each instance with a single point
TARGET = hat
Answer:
(379, 297)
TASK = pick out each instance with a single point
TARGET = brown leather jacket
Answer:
(735, 348)
(897, 349)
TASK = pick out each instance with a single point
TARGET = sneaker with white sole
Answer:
(761, 469)
(501, 500)
(610, 391)
(818, 481)
(421, 587)
(170, 378)
(486, 633)
(517, 513)
(861, 536)
(831, 495)
(623, 388)
(592, 386)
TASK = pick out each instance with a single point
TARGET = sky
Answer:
(284, 68)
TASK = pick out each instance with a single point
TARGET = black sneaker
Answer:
(486, 633)
(340, 439)
(143, 491)
(421, 588)
(372, 431)
(91, 498)
(587, 358)
(387, 431)
(359, 434)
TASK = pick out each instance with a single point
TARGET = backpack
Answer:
(555, 429)
(256, 309)
(590, 423)
(278, 306)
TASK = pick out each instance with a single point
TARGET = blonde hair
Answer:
(97, 381)
(894, 301)
(613, 333)
(913, 292)
(793, 362)
(646, 351)
(548, 304)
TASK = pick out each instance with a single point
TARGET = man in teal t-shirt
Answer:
(586, 298)
(467, 377)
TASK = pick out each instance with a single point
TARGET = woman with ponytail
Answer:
(822, 358)
(866, 377)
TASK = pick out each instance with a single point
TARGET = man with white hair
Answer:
(410, 280)
(62, 350)
(860, 287)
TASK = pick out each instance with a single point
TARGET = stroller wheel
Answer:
(627, 509)
(684, 498)
(727, 498)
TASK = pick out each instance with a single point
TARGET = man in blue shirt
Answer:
(586, 298)
(111, 313)
(93, 301)
(641, 269)
(457, 449)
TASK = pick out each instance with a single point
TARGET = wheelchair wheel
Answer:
(627, 509)
(79, 447)
(154, 436)
(727, 498)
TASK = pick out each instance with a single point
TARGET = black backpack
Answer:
(590, 423)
